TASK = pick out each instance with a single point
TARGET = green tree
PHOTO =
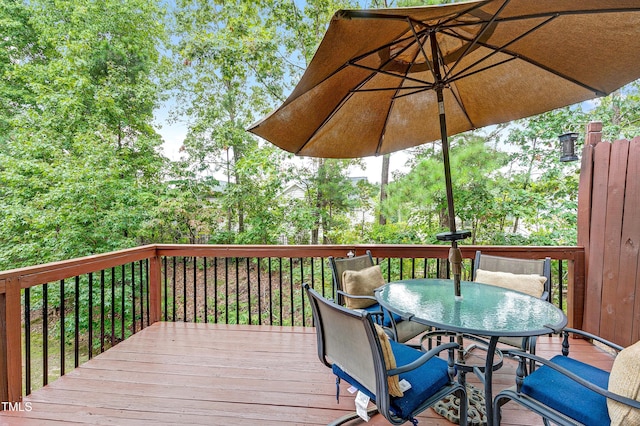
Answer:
(79, 165)
(419, 197)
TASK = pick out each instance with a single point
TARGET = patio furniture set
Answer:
(400, 345)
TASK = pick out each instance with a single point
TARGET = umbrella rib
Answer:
(376, 14)
(401, 87)
(469, 74)
(421, 47)
(570, 12)
(343, 101)
(391, 74)
(477, 38)
(498, 49)
(537, 64)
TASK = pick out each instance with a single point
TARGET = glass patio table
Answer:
(483, 310)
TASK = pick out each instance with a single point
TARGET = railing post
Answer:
(155, 289)
(576, 290)
(10, 342)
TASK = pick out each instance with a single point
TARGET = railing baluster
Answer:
(280, 291)
(195, 289)
(90, 320)
(270, 294)
(248, 290)
(184, 289)
(145, 278)
(560, 286)
(27, 339)
(291, 288)
(226, 288)
(133, 298)
(173, 295)
(259, 295)
(62, 331)
(113, 306)
(45, 334)
(76, 338)
(237, 291)
(215, 290)
(102, 311)
(122, 302)
(301, 293)
(322, 277)
(206, 311)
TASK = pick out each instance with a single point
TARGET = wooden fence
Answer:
(609, 230)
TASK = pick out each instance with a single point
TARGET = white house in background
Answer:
(293, 192)
(296, 191)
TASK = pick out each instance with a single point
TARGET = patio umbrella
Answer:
(387, 79)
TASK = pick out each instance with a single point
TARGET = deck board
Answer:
(210, 374)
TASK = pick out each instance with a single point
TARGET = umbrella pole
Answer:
(455, 256)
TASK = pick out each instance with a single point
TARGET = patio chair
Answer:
(566, 391)
(354, 280)
(529, 276)
(360, 353)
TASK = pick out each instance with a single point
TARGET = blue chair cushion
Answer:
(559, 392)
(425, 380)
(386, 320)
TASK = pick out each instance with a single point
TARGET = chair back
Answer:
(516, 266)
(348, 339)
(341, 264)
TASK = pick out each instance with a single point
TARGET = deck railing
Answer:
(54, 317)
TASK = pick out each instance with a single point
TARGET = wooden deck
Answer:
(206, 374)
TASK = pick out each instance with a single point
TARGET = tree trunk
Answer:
(236, 159)
(516, 222)
(384, 181)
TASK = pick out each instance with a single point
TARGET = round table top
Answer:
(484, 309)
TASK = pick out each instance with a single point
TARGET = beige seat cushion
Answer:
(389, 362)
(625, 380)
(362, 283)
(532, 285)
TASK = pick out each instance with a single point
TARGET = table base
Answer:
(449, 407)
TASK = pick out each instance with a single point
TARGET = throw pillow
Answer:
(532, 285)
(389, 362)
(362, 283)
(625, 380)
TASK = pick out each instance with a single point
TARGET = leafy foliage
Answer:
(81, 173)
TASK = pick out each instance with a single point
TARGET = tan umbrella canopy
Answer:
(388, 79)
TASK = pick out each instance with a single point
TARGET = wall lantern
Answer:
(568, 141)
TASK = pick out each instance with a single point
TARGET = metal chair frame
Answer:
(549, 414)
(401, 331)
(516, 266)
(348, 339)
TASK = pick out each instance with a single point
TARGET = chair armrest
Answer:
(354, 296)
(588, 335)
(544, 295)
(424, 358)
(522, 356)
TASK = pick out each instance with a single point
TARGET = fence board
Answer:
(593, 296)
(613, 231)
(593, 138)
(609, 229)
(628, 283)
